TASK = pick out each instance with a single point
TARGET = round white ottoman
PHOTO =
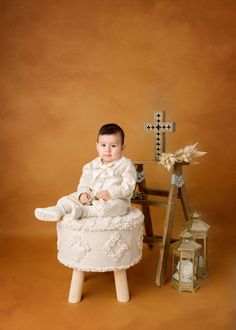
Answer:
(100, 245)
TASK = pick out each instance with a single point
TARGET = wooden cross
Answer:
(160, 127)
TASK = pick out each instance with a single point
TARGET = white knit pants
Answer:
(99, 208)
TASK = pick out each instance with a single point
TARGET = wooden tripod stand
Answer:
(177, 190)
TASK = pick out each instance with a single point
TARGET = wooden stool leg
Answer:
(122, 290)
(76, 286)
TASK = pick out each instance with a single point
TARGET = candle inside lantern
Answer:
(185, 270)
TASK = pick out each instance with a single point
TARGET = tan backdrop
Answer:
(67, 67)
(70, 66)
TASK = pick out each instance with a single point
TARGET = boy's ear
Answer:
(123, 147)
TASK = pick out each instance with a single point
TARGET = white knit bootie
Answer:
(76, 212)
(52, 213)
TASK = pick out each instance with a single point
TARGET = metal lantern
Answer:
(185, 268)
(199, 230)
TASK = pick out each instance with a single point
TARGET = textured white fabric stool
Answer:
(100, 245)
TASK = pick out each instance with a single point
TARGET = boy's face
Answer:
(109, 147)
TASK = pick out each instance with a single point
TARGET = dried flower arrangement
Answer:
(183, 155)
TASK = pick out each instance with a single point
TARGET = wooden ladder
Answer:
(177, 190)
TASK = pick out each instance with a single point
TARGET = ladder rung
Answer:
(157, 192)
(149, 202)
(152, 239)
(155, 239)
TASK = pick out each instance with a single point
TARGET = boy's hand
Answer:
(104, 194)
(84, 198)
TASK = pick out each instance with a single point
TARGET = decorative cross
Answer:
(160, 127)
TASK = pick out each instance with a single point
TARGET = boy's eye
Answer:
(114, 146)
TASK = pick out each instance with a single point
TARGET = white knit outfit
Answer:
(117, 177)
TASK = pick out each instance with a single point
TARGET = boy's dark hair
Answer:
(108, 129)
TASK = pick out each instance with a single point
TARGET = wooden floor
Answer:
(34, 289)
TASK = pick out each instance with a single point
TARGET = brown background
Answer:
(67, 67)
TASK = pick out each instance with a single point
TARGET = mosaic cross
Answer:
(160, 126)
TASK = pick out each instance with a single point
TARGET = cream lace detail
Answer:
(115, 247)
(91, 268)
(79, 247)
(139, 241)
(126, 222)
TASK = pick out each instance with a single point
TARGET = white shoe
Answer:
(52, 213)
(76, 212)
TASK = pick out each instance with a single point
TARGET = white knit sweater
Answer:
(118, 177)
